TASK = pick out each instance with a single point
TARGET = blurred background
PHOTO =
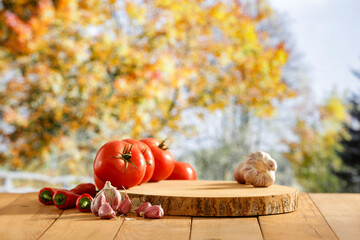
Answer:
(220, 78)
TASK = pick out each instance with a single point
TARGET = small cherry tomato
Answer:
(182, 171)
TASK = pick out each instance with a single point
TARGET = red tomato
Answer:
(120, 163)
(182, 171)
(164, 160)
(98, 183)
(149, 158)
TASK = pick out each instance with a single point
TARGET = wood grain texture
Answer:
(225, 228)
(73, 224)
(306, 223)
(174, 228)
(341, 211)
(215, 198)
(26, 218)
(7, 198)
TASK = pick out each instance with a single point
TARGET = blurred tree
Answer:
(313, 154)
(240, 129)
(350, 155)
(229, 141)
(77, 73)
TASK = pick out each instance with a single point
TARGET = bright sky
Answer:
(327, 33)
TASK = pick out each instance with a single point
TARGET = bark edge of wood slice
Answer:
(214, 198)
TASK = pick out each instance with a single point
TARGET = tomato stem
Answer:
(46, 196)
(60, 199)
(85, 203)
(163, 144)
(126, 156)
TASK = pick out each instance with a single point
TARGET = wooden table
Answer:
(319, 216)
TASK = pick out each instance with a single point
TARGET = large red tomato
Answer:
(149, 158)
(164, 160)
(120, 163)
(183, 171)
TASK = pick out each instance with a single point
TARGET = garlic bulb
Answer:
(108, 194)
(257, 169)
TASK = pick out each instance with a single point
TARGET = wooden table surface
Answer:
(319, 216)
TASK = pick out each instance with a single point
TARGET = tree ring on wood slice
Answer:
(214, 198)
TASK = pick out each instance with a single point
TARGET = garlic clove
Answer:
(260, 179)
(96, 203)
(116, 201)
(125, 206)
(92, 208)
(264, 180)
(238, 176)
(106, 211)
(143, 207)
(155, 211)
(272, 165)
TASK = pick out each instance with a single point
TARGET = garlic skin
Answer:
(142, 209)
(258, 169)
(155, 211)
(125, 206)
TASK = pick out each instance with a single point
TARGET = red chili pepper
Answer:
(83, 202)
(45, 195)
(82, 188)
(64, 199)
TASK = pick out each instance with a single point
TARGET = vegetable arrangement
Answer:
(106, 203)
(121, 164)
(127, 163)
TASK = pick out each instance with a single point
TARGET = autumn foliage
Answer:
(76, 73)
(314, 153)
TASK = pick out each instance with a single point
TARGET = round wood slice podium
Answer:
(214, 198)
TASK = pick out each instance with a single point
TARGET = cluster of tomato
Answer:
(128, 163)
